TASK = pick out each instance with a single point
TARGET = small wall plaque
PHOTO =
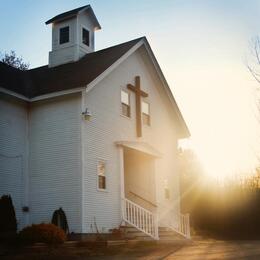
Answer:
(25, 209)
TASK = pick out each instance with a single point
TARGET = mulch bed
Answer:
(85, 250)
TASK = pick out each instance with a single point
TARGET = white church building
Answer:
(94, 133)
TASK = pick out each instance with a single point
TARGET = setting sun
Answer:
(225, 129)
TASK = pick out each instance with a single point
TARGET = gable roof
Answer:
(44, 80)
(12, 79)
(72, 13)
(84, 73)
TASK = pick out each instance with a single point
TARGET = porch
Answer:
(139, 203)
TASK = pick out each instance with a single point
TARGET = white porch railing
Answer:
(184, 226)
(142, 219)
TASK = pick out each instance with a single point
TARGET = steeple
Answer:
(73, 35)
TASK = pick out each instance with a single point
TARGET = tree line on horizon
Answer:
(225, 210)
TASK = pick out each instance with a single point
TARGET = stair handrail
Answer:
(141, 218)
(142, 198)
(183, 226)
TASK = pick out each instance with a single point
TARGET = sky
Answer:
(201, 46)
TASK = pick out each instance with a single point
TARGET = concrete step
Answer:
(164, 229)
(136, 234)
(165, 234)
(172, 232)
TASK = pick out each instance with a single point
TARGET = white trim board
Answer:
(12, 93)
(141, 147)
(42, 97)
(113, 66)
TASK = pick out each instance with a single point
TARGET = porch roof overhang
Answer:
(141, 147)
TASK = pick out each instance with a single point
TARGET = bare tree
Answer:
(13, 60)
(253, 65)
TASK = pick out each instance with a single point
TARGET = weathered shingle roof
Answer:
(44, 80)
(12, 79)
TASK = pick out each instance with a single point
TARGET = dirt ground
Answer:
(133, 251)
(198, 250)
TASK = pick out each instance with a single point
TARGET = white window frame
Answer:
(129, 100)
(166, 189)
(105, 175)
(81, 37)
(65, 44)
(149, 110)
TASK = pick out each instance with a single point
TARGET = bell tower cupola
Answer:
(73, 35)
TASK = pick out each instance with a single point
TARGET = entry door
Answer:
(140, 178)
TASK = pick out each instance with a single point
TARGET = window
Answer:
(146, 113)
(166, 190)
(166, 193)
(64, 34)
(85, 36)
(125, 103)
(101, 168)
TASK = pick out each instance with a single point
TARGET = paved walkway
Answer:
(198, 250)
(212, 249)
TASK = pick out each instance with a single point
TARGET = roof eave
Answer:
(57, 19)
(97, 24)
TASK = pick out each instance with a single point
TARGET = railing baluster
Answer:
(139, 214)
(148, 223)
(128, 213)
(142, 219)
(131, 212)
(182, 224)
(147, 228)
(186, 229)
(152, 226)
(136, 217)
(135, 209)
(139, 217)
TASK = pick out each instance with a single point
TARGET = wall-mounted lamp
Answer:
(87, 114)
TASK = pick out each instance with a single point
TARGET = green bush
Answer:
(42, 233)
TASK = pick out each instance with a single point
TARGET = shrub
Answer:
(59, 219)
(8, 221)
(117, 233)
(42, 233)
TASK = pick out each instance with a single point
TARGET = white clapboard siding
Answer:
(108, 126)
(55, 159)
(13, 154)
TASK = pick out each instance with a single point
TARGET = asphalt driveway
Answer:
(213, 249)
(198, 249)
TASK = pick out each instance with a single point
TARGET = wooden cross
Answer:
(138, 97)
